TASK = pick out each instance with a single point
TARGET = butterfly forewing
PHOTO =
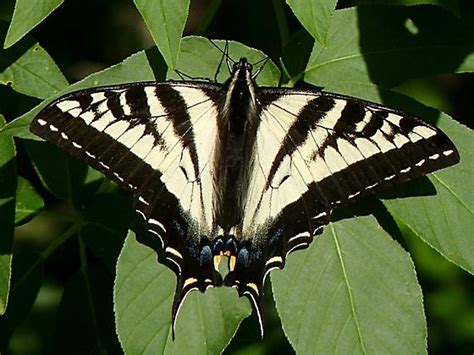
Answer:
(337, 148)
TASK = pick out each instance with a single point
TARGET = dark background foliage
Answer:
(88, 35)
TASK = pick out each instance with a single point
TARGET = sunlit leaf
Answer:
(353, 291)
(356, 54)
(29, 69)
(26, 16)
(165, 20)
(315, 16)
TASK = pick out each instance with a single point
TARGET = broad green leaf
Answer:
(445, 220)
(29, 69)
(26, 16)
(451, 5)
(8, 182)
(315, 16)
(143, 296)
(142, 66)
(353, 291)
(28, 201)
(357, 55)
(165, 20)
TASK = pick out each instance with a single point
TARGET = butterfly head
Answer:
(242, 66)
(242, 73)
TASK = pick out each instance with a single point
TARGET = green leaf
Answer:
(195, 65)
(8, 181)
(143, 296)
(28, 201)
(445, 220)
(451, 5)
(29, 69)
(51, 165)
(356, 55)
(26, 16)
(165, 20)
(315, 16)
(353, 291)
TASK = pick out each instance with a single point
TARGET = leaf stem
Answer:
(47, 252)
(61, 240)
(282, 23)
(87, 284)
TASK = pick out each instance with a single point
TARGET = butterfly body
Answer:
(234, 169)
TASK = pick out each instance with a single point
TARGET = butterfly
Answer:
(252, 173)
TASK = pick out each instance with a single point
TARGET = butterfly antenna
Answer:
(182, 75)
(225, 54)
(229, 60)
(264, 61)
(220, 64)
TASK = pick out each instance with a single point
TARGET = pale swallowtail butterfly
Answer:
(234, 169)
